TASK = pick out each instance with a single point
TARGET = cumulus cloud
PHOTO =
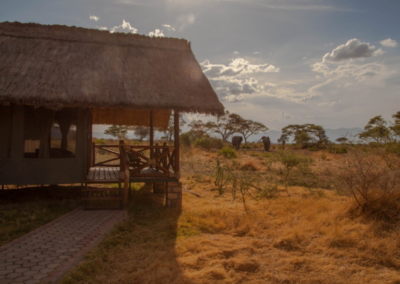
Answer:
(156, 33)
(232, 90)
(168, 27)
(94, 18)
(125, 27)
(353, 49)
(359, 72)
(238, 66)
(184, 21)
(388, 42)
(102, 28)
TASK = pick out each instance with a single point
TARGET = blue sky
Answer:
(280, 62)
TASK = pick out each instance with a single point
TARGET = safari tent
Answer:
(57, 81)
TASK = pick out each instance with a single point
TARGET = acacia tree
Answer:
(283, 140)
(141, 132)
(169, 132)
(306, 133)
(198, 128)
(119, 131)
(299, 132)
(342, 140)
(226, 125)
(395, 128)
(249, 127)
(376, 131)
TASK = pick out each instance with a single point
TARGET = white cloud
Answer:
(256, 52)
(102, 28)
(125, 27)
(353, 49)
(329, 103)
(232, 90)
(359, 72)
(156, 33)
(168, 27)
(234, 99)
(388, 42)
(238, 66)
(184, 21)
(94, 18)
(236, 52)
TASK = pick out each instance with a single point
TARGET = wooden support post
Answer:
(151, 133)
(176, 141)
(126, 185)
(94, 154)
(90, 142)
(121, 165)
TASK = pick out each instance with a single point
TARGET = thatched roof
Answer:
(59, 66)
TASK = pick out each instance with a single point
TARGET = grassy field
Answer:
(25, 209)
(304, 227)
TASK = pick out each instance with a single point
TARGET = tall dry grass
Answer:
(302, 238)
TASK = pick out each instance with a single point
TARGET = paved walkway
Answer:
(47, 253)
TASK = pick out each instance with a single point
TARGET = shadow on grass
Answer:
(140, 250)
(26, 209)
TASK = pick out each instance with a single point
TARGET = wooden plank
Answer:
(101, 198)
(99, 189)
(102, 174)
(176, 140)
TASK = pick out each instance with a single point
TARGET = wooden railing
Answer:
(107, 149)
(161, 159)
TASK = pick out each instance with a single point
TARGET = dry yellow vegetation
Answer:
(316, 236)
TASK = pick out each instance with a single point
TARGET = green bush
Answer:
(227, 153)
(208, 143)
(245, 146)
(185, 139)
(338, 150)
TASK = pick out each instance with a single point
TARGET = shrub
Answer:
(185, 139)
(374, 184)
(269, 191)
(338, 150)
(227, 153)
(248, 166)
(245, 146)
(290, 160)
(208, 143)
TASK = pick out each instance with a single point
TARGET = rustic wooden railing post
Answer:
(151, 134)
(126, 184)
(176, 143)
(94, 154)
(121, 164)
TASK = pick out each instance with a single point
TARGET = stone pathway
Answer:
(47, 253)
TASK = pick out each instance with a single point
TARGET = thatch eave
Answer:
(59, 66)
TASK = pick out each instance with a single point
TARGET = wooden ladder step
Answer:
(101, 198)
(100, 189)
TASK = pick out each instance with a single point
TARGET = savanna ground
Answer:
(260, 223)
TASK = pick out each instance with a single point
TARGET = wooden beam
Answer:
(176, 140)
(151, 133)
(90, 144)
(121, 164)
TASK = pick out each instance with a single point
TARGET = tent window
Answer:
(50, 134)
(5, 130)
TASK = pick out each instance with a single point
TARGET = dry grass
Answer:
(304, 238)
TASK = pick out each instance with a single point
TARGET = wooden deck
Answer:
(111, 175)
